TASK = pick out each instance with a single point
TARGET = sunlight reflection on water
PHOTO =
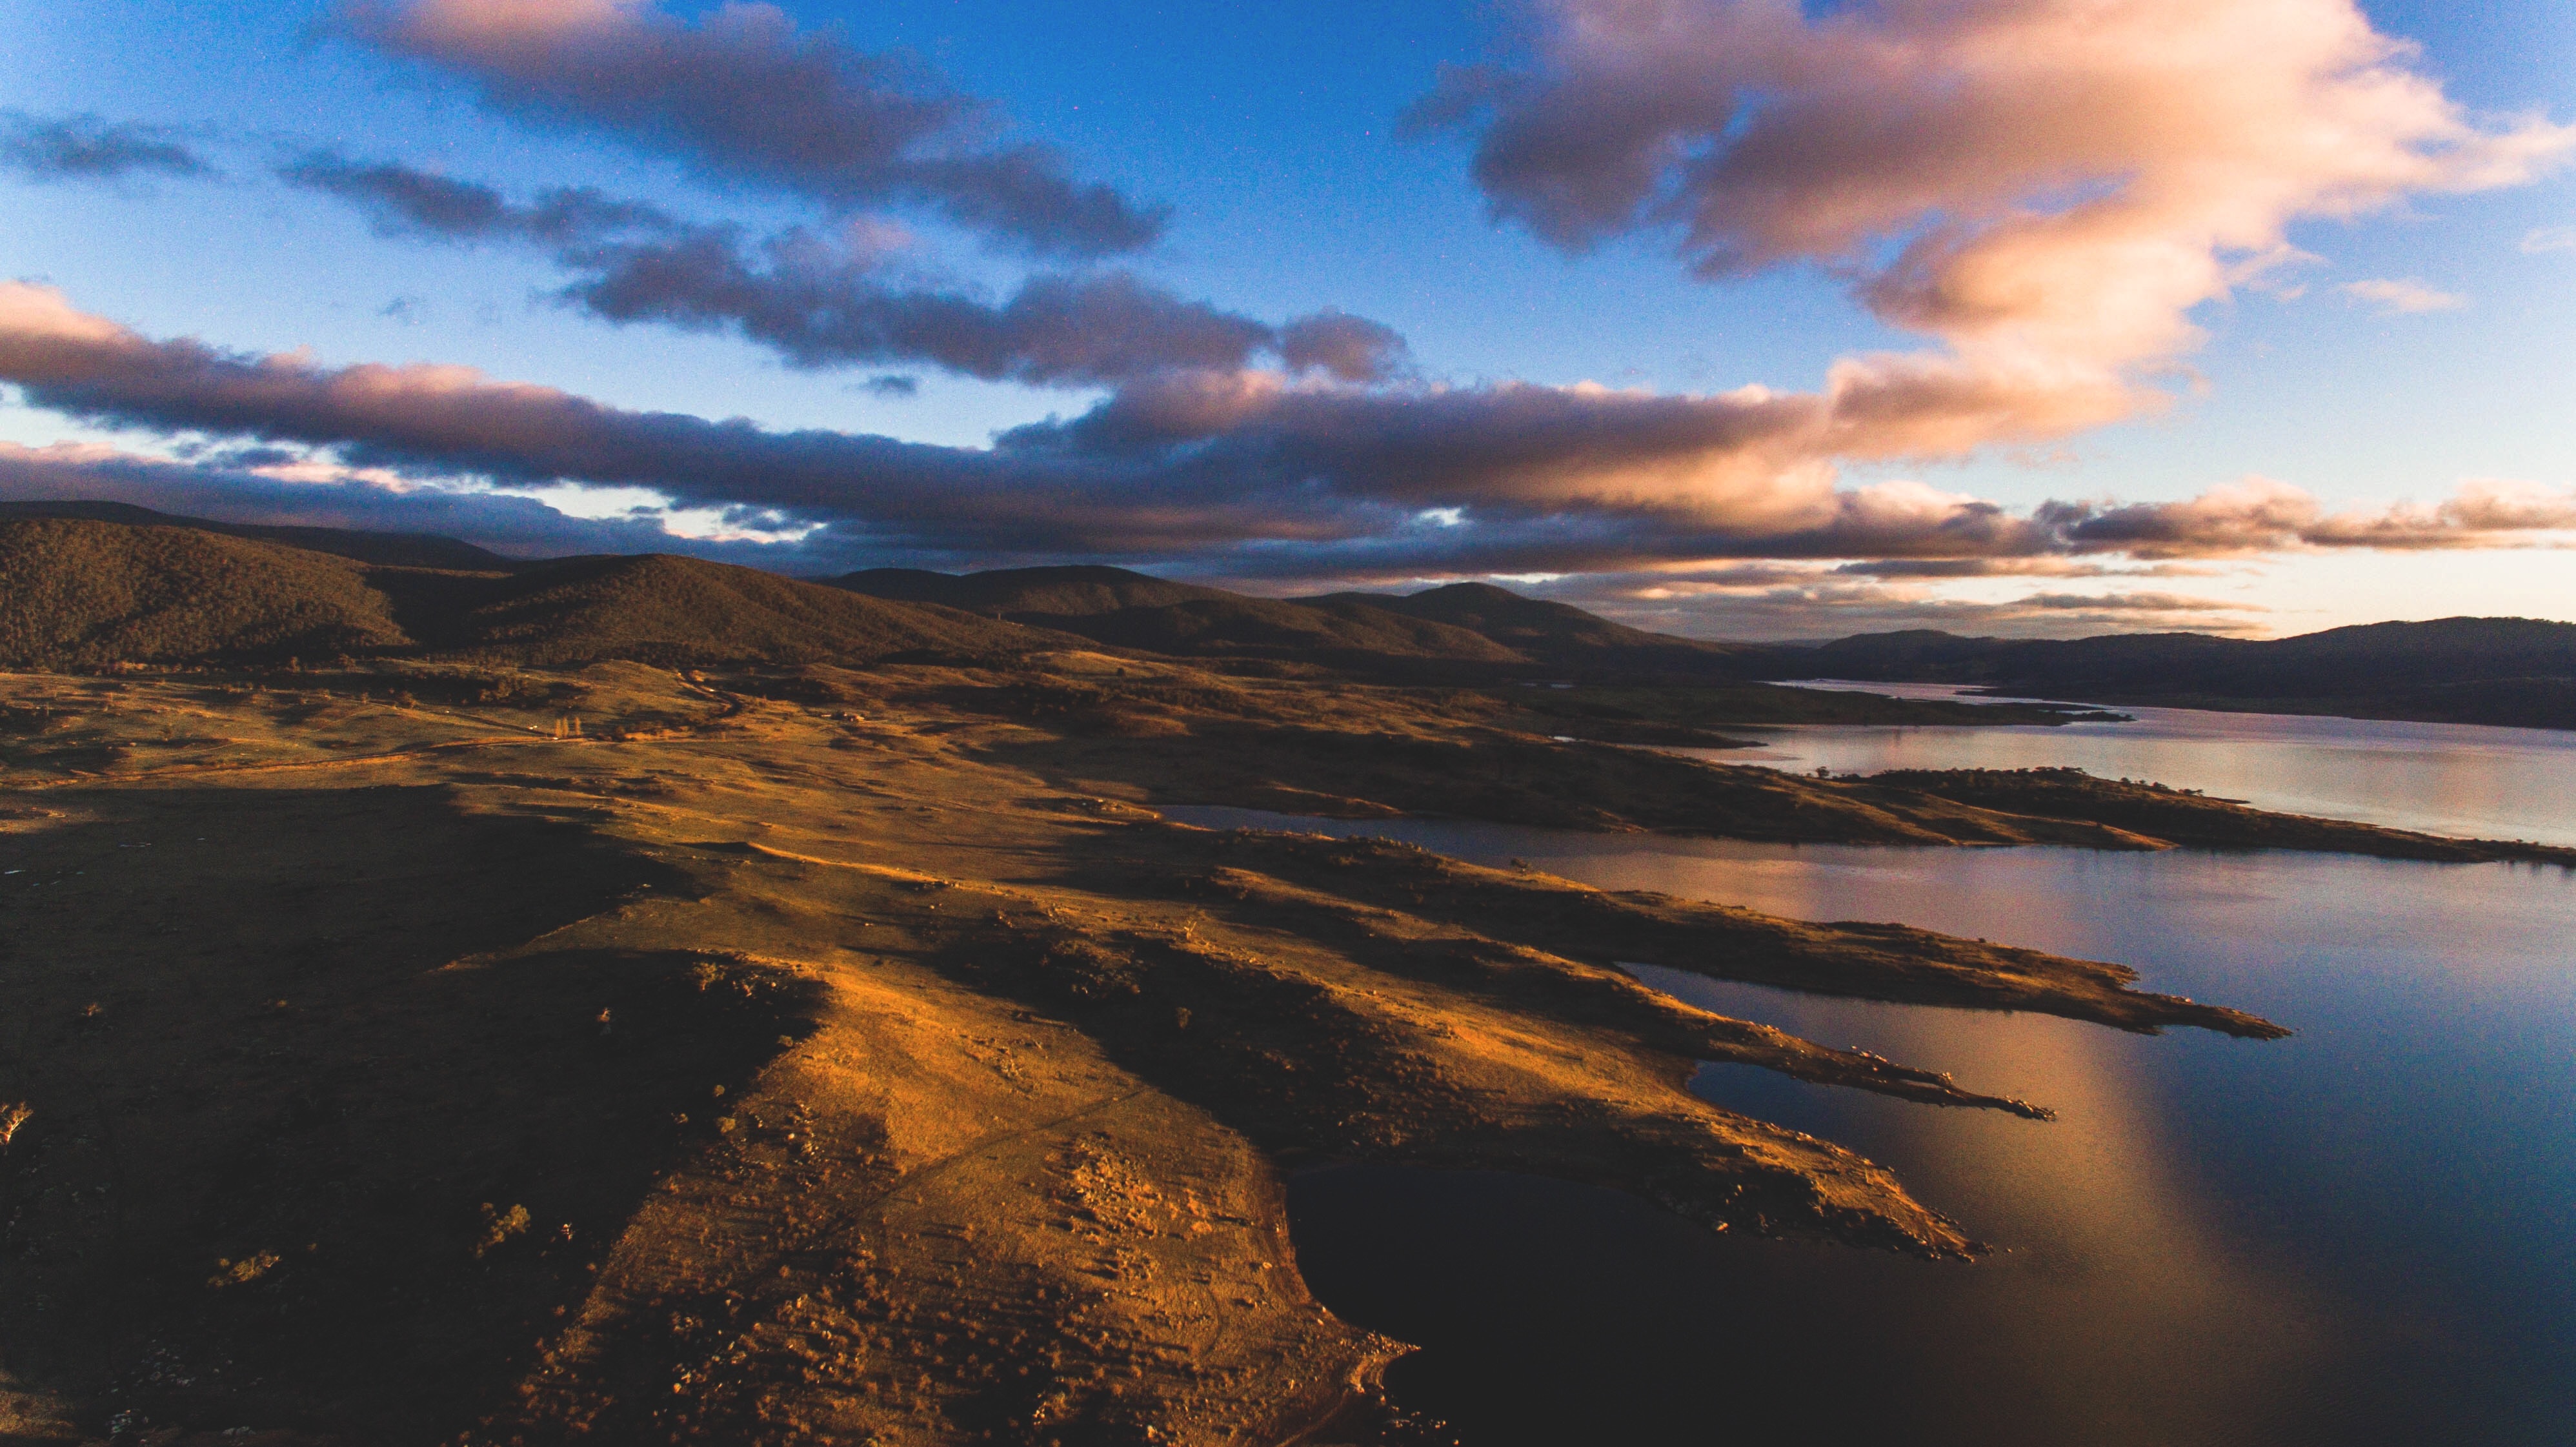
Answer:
(2356, 1235)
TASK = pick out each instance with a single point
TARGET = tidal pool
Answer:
(2363, 1234)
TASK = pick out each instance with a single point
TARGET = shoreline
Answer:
(1011, 1067)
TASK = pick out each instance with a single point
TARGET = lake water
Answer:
(2364, 1234)
(2459, 779)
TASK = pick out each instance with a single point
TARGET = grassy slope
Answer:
(1471, 628)
(1130, 610)
(76, 593)
(681, 611)
(1557, 635)
(396, 550)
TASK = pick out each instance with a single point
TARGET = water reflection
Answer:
(2461, 779)
(2357, 1235)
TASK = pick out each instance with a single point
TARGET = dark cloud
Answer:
(816, 303)
(87, 148)
(1758, 600)
(742, 95)
(226, 490)
(402, 201)
(2260, 515)
(1819, 605)
(831, 300)
(1240, 473)
(1354, 349)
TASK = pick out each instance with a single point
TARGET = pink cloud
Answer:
(2048, 187)
(2403, 297)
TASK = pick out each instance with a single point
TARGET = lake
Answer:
(2460, 779)
(2364, 1234)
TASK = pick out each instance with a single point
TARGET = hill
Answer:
(1559, 636)
(1066, 592)
(1465, 631)
(80, 593)
(396, 550)
(676, 611)
(1132, 610)
(92, 583)
(2510, 671)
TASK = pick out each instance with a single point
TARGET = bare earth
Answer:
(845, 1057)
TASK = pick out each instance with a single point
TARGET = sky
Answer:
(1727, 317)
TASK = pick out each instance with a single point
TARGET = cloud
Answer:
(238, 490)
(741, 95)
(1354, 349)
(818, 302)
(833, 299)
(403, 201)
(2543, 239)
(88, 148)
(1776, 604)
(265, 486)
(2260, 515)
(2044, 566)
(1245, 474)
(2046, 186)
(2403, 297)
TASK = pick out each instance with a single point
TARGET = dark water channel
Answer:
(2364, 1234)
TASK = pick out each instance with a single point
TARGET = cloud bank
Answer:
(1240, 473)
(838, 299)
(743, 96)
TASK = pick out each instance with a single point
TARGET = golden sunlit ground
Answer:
(826, 1057)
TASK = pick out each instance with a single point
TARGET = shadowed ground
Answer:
(818, 1056)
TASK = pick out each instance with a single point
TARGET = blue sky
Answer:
(1273, 135)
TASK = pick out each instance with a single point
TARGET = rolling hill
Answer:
(85, 584)
(1460, 632)
(81, 593)
(1132, 610)
(1559, 636)
(393, 550)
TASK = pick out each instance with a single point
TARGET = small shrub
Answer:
(499, 1227)
(242, 1272)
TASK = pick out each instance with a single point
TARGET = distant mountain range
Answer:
(87, 584)
(2513, 671)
